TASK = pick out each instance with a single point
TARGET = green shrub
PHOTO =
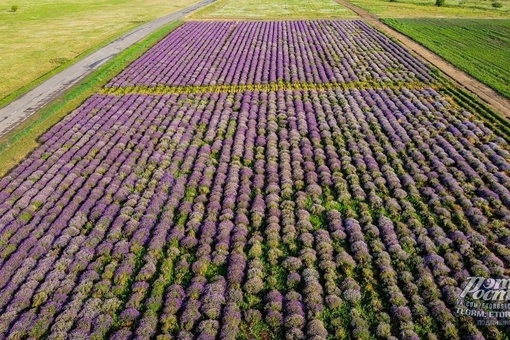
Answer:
(440, 2)
(14, 8)
(497, 4)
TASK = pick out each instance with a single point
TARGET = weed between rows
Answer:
(278, 86)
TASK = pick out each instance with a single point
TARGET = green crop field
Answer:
(42, 35)
(427, 8)
(478, 47)
(271, 9)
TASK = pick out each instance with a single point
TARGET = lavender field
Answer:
(261, 180)
(212, 53)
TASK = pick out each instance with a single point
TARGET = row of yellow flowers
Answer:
(277, 86)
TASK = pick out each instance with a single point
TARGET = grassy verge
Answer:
(18, 143)
(479, 47)
(427, 8)
(273, 9)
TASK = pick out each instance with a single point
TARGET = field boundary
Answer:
(489, 96)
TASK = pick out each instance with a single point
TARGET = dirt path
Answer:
(482, 91)
(25, 106)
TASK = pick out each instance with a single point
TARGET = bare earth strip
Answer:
(493, 99)
(27, 105)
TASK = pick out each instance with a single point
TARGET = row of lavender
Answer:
(304, 214)
(214, 53)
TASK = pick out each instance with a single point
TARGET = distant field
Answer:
(479, 47)
(426, 8)
(271, 9)
(44, 34)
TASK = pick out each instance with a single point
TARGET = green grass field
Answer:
(45, 34)
(478, 47)
(273, 9)
(427, 8)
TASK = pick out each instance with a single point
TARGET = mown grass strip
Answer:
(360, 85)
(18, 143)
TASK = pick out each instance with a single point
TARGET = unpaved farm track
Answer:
(25, 106)
(482, 91)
